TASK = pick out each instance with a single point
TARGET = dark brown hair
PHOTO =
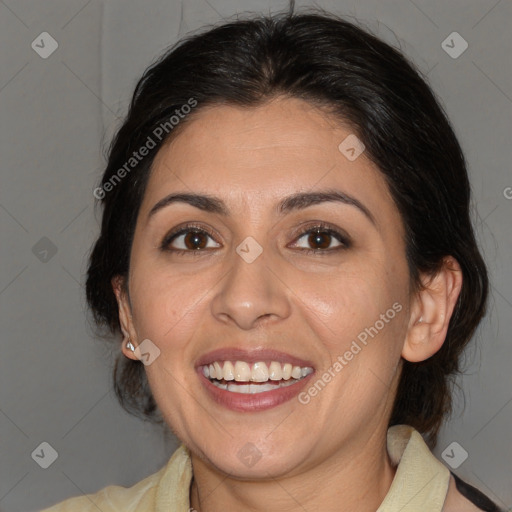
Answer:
(335, 64)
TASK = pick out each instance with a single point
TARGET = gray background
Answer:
(57, 114)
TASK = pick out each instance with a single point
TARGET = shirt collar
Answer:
(420, 482)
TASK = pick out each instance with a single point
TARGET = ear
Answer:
(431, 311)
(125, 316)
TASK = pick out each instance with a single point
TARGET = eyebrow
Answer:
(298, 201)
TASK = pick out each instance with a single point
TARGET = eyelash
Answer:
(188, 228)
(320, 227)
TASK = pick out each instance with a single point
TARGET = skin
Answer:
(329, 454)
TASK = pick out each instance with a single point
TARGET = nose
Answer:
(251, 293)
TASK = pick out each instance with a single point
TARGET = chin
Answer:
(258, 459)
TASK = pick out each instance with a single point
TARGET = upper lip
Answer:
(251, 356)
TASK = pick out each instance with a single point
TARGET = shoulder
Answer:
(114, 498)
(168, 487)
(463, 497)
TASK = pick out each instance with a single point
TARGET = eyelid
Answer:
(183, 229)
(307, 250)
(310, 227)
(323, 227)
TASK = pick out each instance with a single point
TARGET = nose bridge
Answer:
(250, 290)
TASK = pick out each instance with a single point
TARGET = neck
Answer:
(355, 478)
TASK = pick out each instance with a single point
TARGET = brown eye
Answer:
(195, 240)
(187, 240)
(321, 239)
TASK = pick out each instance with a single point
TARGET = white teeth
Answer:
(251, 389)
(307, 370)
(274, 371)
(287, 371)
(228, 371)
(240, 388)
(242, 372)
(219, 374)
(259, 372)
(296, 372)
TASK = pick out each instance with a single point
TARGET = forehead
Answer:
(257, 155)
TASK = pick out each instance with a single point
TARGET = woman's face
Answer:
(245, 290)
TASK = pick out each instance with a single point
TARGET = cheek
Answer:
(166, 306)
(348, 301)
(358, 319)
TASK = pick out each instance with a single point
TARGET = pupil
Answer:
(192, 239)
(318, 238)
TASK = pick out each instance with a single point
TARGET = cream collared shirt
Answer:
(420, 484)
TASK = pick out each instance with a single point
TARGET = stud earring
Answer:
(130, 346)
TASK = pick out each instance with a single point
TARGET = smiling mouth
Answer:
(246, 378)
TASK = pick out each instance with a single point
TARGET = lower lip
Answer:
(252, 402)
